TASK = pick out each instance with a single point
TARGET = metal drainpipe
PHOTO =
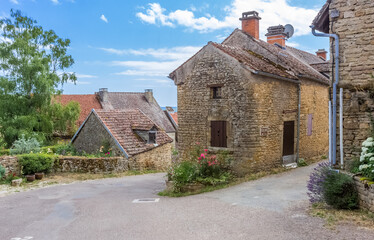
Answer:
(298, 123)
(334, 87)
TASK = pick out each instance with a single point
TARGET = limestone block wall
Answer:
(314, 100)
(355, 27)
(93, 136)
(158, 158)
(90, 165)
(365, 193)
(10, 163)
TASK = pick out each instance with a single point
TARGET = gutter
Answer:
(334, 89)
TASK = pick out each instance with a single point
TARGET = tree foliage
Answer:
(32, 65)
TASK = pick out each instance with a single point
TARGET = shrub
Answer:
(33, 163)
(316, 182)
(353, 166)
(23, 145)
(302, 162)
(66, 150)
(367, 159)
(4, 152)
(49, 149)
(340, 191)
(184, 172)
(2, 172)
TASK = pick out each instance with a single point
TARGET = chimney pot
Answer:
(276, 35)
(322, 53)
(251, 23)
(103, 94)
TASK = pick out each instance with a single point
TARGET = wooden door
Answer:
(288, 138)
(218, 134)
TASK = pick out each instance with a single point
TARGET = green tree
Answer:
(32, 67)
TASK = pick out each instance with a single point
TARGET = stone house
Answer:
(262, 101)
(122, 101)
(129, 133)
(353, 22)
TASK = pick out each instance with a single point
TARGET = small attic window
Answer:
(216, 92)
(152, 137)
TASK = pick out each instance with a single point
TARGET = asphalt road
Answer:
(269, 208)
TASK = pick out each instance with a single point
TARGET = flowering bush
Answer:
(202, 167)
(316, 182)
(367, 158)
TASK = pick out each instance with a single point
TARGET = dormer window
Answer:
(151, 137)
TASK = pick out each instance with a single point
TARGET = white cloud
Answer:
(174, 53)
(14, 1)
(84, 76)
(55, 1)
(272, 12)
(102, 17)
(147, 68)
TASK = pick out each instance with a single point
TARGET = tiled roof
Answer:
(130, 100)
(122, 123)
(322, 67)
(174, 115)
(86, 102)
(304, 56)
(276, 61)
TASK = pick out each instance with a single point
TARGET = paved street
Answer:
(269, 208)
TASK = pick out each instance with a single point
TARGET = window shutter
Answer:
(310, 124)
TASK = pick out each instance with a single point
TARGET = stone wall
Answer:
(158, 158)
(90, 165)
(91, 143)
(355, 27)
(366, 194)
(249, 104)
(10, 164)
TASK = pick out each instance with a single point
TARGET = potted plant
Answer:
(30, 177)
(39, 175)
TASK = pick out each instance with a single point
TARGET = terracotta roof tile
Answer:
(122, 123)
(174, 115)
(86, 102)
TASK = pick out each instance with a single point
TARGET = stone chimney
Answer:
(322, 53)
(103, 94)
(149, 95)
(276, 35)
(251, 23)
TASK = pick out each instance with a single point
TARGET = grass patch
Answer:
(333, 217)
(235, 181)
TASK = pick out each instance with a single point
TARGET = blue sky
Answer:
(127, 45)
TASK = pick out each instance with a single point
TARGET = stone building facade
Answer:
(248, 89)
(353, 22)
(129, 134)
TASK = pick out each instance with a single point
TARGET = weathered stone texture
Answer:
(249, 102)
(365, 193)
(10, 163)
(158, 158)
(93, 136)
(90, 165)
(355, 27)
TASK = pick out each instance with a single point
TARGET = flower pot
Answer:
(30, 178)
(192, 187)
(39, 176)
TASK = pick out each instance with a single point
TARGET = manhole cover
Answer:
(146, 200)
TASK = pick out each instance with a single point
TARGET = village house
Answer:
(127, 133)
(105, 100)
(265, 102)
(353, 24)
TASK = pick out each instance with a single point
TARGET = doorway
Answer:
(288, 154)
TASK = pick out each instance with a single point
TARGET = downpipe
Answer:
(334, 88)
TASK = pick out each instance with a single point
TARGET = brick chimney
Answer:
(149, 95)
(276, 35)
(251, 23)
(322, 53)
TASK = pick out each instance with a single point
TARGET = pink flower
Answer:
(199, 158)
(209, 163)
(197, 143)
(202, 155)
(205, 150)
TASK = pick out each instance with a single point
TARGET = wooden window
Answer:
(216, 92)
(218, 134)
(152, 137)
(310, 125)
